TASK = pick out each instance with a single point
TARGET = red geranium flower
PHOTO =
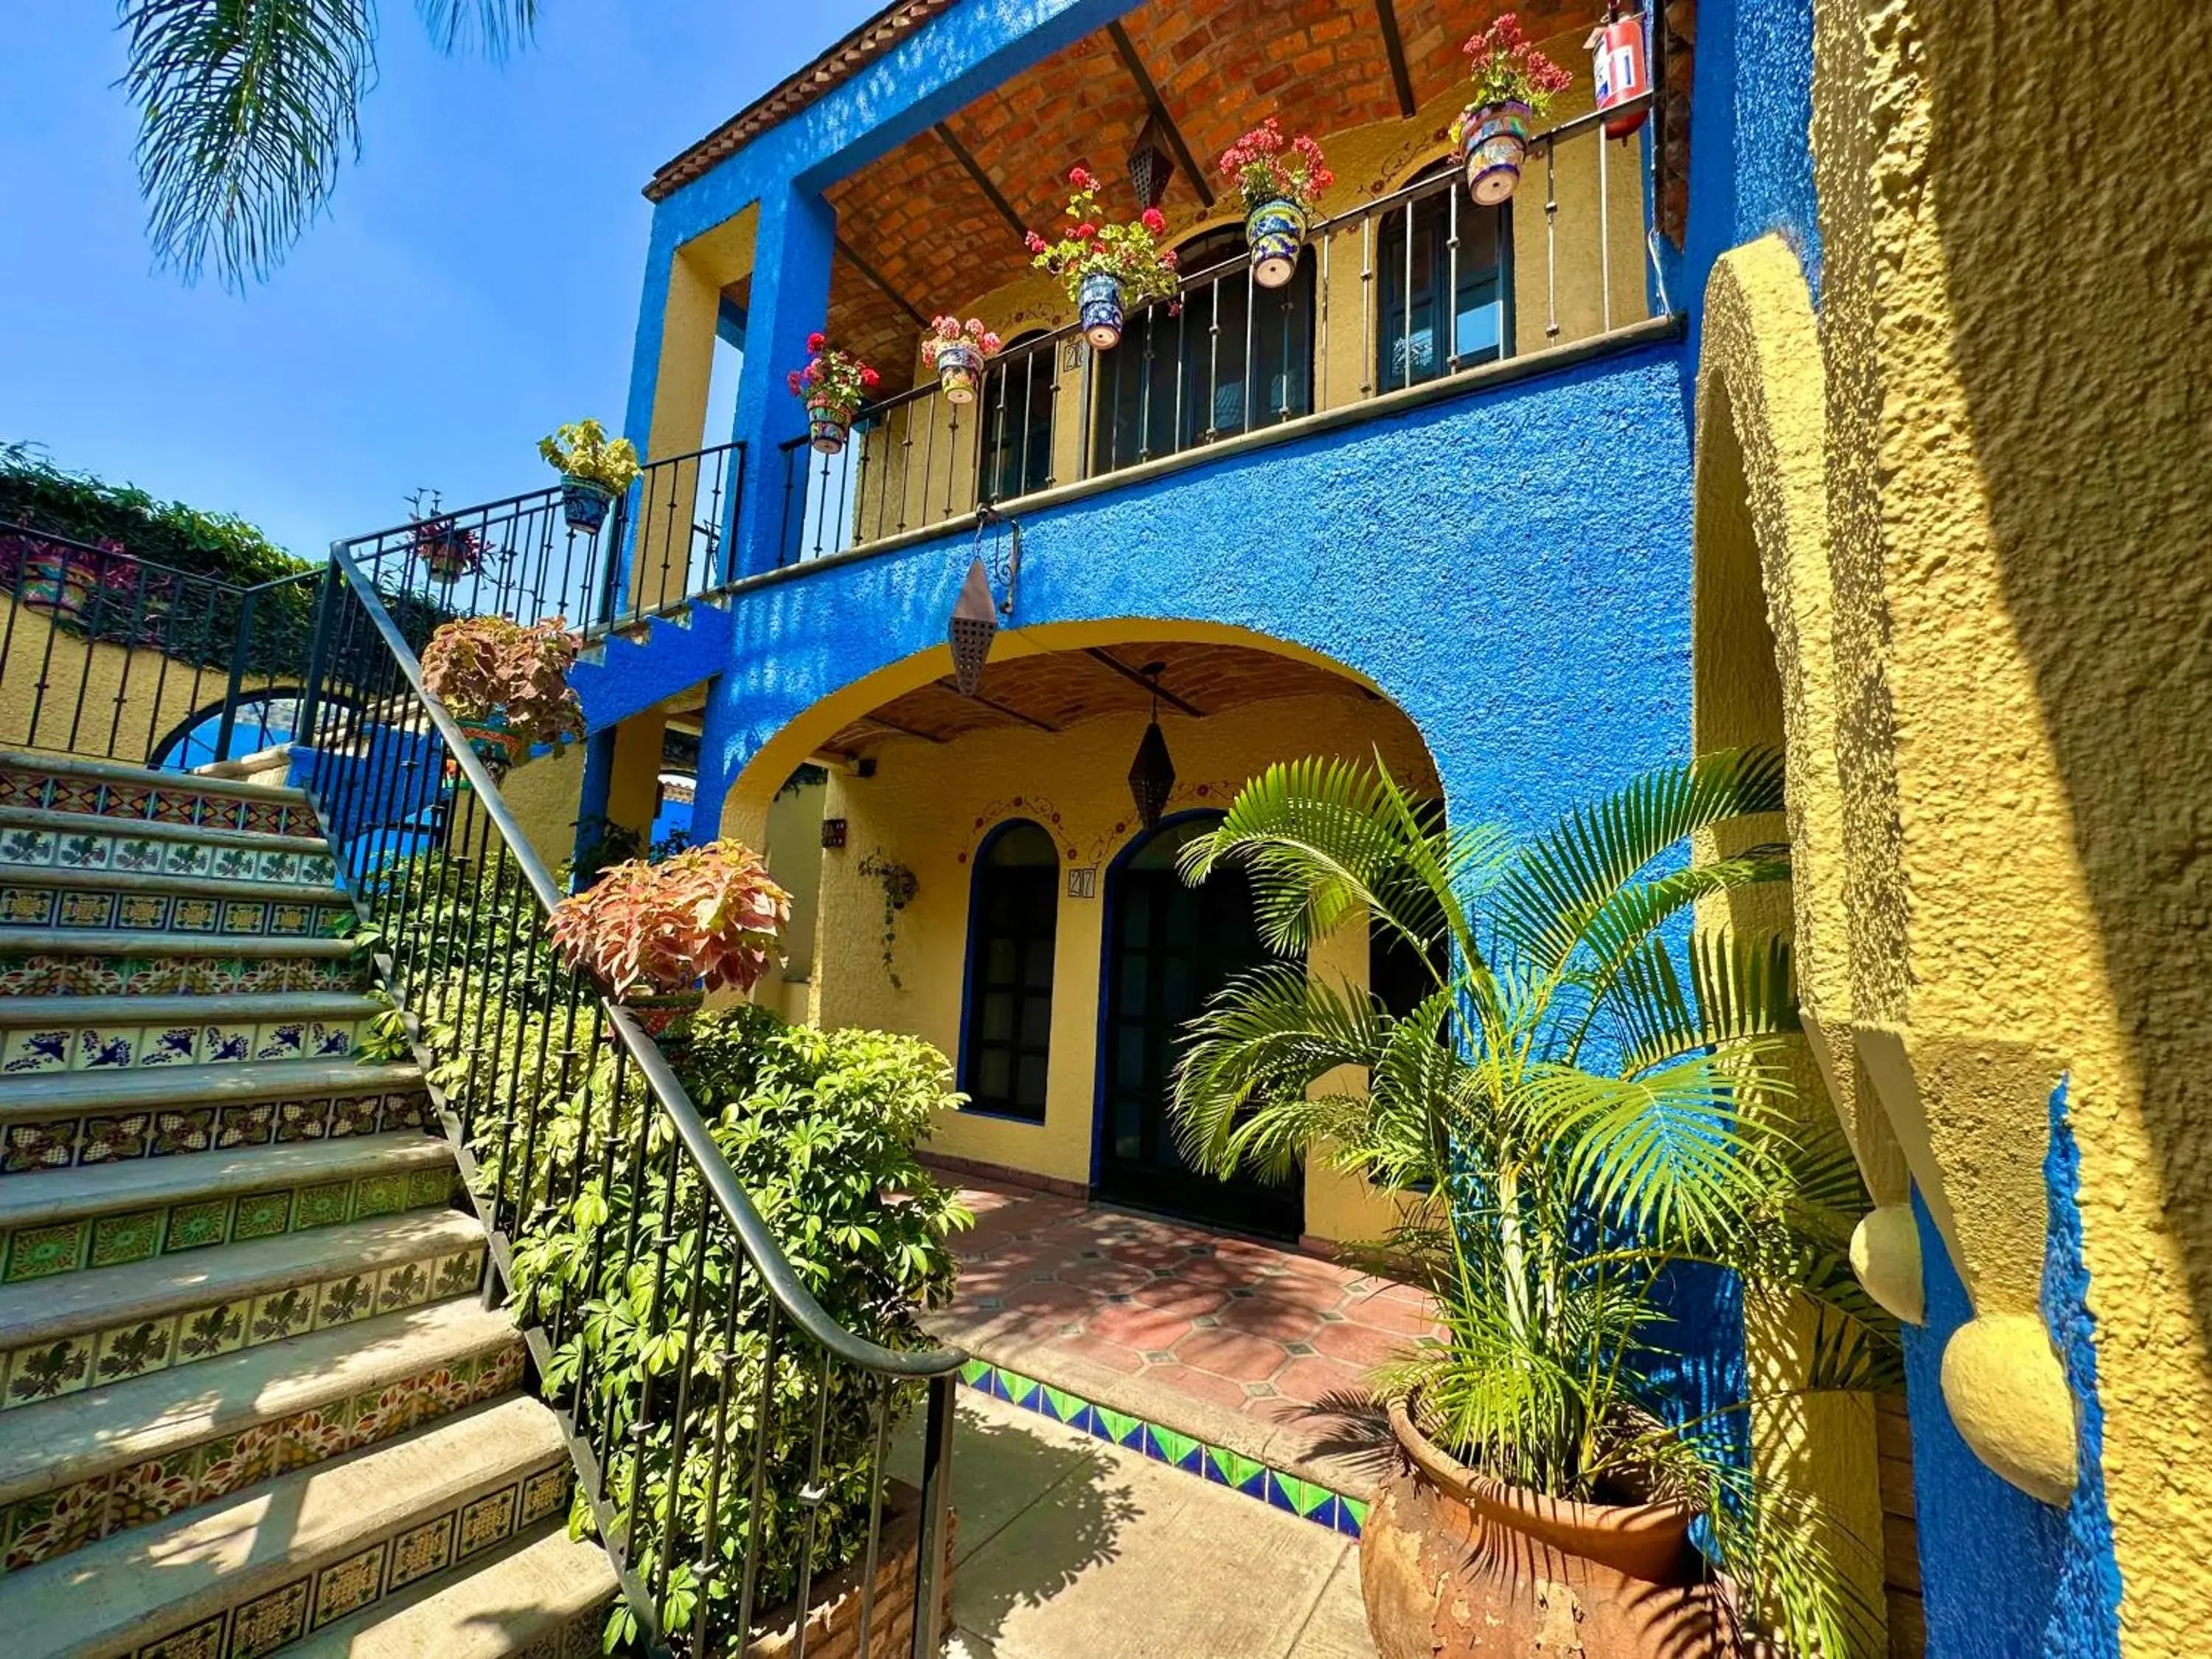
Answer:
(817, 340)
(1086, 231)
(1033, 242)
(1154, 221)
(1081, 179)
(870, 379)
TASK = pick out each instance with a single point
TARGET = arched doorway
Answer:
(1169, 948)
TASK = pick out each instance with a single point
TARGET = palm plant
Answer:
(247, 107)
(1591, 1101)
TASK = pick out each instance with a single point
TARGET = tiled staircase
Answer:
(250, 1398)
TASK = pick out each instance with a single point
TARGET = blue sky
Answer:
(474, 283)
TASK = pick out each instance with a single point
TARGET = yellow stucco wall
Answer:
(930, 807)
(100, 699)
(1988, 617)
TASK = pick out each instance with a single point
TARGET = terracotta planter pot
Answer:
(665, 1016)
(1454, 1564)
(1493, 147)
(833, 1623)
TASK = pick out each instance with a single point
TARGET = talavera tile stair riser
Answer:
(1337, 1511)
(27, 1049)
(39, 1527)
(115, 1241)
(170, 800)
(99, 848)
(87, 976)
(104, 909)
(276, 1618)
(49, 1369)
(28, 1149)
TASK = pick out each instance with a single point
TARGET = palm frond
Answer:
(1668, 1152)
(493, 27)
(1741, 989)
(1569, 875)
(1269, 1035)
(246, 109)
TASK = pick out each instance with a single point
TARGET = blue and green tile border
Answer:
(1338, 1511)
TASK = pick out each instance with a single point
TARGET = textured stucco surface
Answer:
(2023, 742)
(1511, 570)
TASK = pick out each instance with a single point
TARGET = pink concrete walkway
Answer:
(1219, 1337)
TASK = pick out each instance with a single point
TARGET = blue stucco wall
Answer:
(2005, 1577)
(1751, 149)
(1512, 568)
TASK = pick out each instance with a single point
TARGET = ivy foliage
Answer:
(35, 492)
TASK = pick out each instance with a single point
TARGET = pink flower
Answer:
(989, 344)
(1086, 231)
(1033, 242)
(869, 377)
(1081, 179)
(1169, 258)
(791, 380)
(1154, 221)
(817, 340)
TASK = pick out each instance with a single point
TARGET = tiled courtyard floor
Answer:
(1260, 1349)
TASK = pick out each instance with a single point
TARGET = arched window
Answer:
(1235, 358)
(1015, 407)
(1457, 249)
(262, 719)
(1014, 924)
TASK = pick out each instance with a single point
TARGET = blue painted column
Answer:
(789, 301)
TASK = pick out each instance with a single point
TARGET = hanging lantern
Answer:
(1151, 166)
(974, 623)
(1616, 49)
(1151, 775)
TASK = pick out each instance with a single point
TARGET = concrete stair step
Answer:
(254, 1571)
(107, 1216)
(41, 1035)
(64, 1333)
(54, 1094)
(527, 1595)
(77, 1470)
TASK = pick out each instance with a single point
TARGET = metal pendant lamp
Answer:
(975, 624)
(1151, 166)
(1151, 775)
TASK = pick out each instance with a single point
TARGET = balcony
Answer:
(1417, 295)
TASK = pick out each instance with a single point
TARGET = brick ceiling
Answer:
(934, 238)
(1065, 688)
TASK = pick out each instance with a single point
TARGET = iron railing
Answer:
(115, 658)
(1415, 288)
(550, 1089)
(664, 539)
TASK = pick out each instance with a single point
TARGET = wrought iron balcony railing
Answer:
(1419, 289)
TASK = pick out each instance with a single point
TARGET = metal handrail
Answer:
(776, 1274)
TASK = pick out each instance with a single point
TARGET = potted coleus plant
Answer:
(1105, 268)
(506, 684)
(447, 551)
(958, 351)
(1282, 180)
(1588, 1124)
(1514, 85)
(659, 937)
(833, 385)
(593, 468)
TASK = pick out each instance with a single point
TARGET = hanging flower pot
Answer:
(58, 583)
(1514, 84)
(498, 745)
(1493, 143)
(828, 426)
(833, 385)
(664, 1016)
(1099, 307)
(594, 469)
(1277, 231)
(447, 551)
(583, 503)
(1282, 181)
(959, 350)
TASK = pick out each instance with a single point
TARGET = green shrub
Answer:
(35, 492)
(818, 1127)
